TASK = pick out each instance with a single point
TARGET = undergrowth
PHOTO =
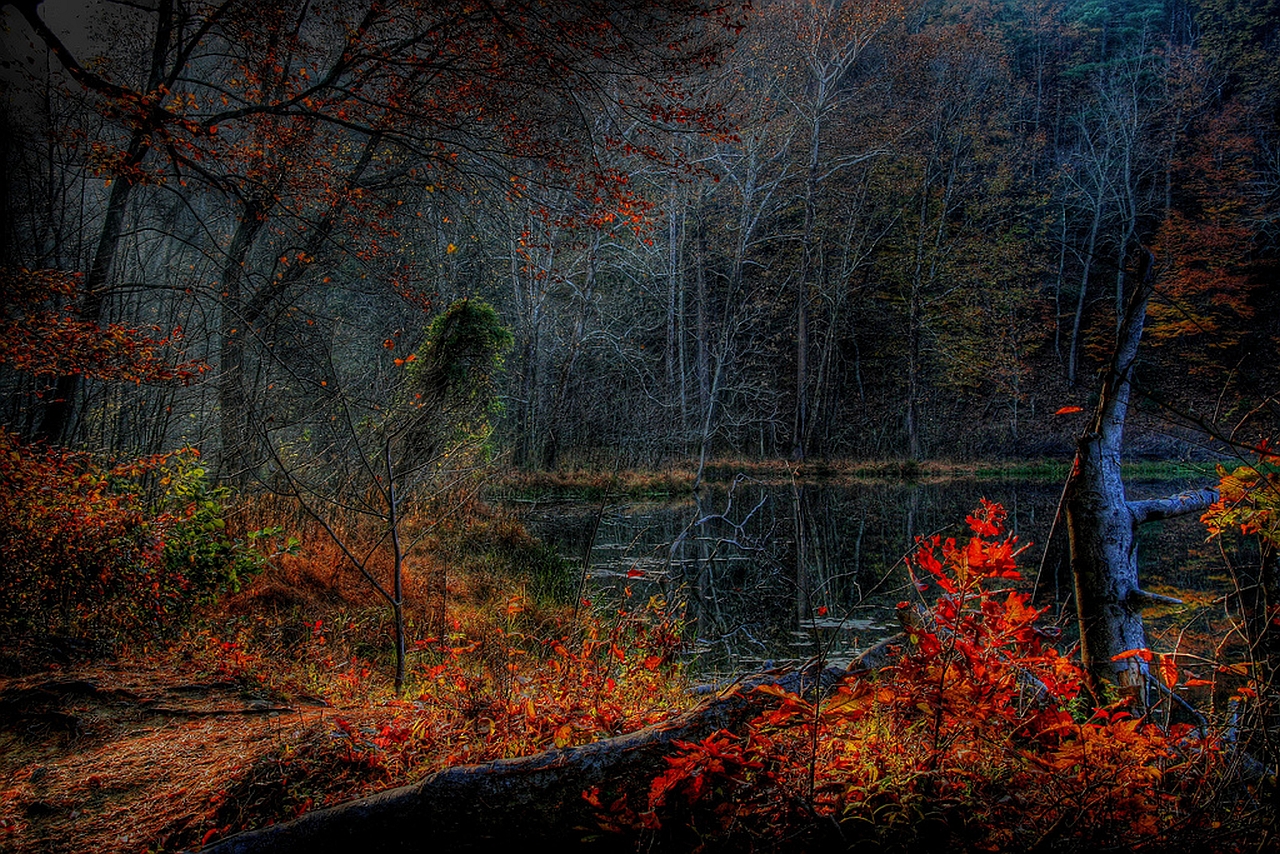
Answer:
(502, 685)
(978, 739)
(515, 672)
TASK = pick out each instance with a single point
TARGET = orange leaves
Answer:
(1248, 501)
(790, 706)
(973, 727)
(1144, 654)
(978, 559)
(1016, 611)
(508, 693)
(41, 334)
(991, 560)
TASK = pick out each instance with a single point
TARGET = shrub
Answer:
(82, 554)
(971, 741)
(197, 543)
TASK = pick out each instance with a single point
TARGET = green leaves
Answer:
(197, 545)
(84, 554)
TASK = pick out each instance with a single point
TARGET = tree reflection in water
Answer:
(780, 573)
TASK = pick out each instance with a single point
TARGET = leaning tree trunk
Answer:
(514, 802)
(1103, 525)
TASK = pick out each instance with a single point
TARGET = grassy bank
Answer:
(678, 479)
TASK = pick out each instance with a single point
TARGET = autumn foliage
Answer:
(977, 739)
(1249, 501)
(97, 549)
(1246, 522)
(89, 552)
(1208, 292)
(505, 683)
(43, 334)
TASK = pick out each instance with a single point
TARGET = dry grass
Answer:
(279, 700)
(678, 477)
(132, 763)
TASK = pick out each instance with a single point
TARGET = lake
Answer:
(767, 572)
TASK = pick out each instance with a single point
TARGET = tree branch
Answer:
(1191, 501)
(28, 9)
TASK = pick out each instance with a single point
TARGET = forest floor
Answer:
(277, 699)
(163, 751)
(140, 755)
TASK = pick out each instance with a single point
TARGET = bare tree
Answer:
(1103, 524)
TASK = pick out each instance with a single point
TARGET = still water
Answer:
(786, 572)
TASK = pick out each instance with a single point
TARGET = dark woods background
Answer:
(870, 229)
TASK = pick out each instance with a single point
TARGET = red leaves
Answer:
(41, 334)
(926, 559)
(1143, 654)
(974, 724)
(81, 550)
(976, 560)
(991, 560)
(988, 521)
(719, 757)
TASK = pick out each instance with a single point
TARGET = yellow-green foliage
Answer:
(1249, 499)
(450, 381)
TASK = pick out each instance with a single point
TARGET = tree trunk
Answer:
(1103, 525)
(59, 412)
(236, 458)
(804, 280)
(56, 423)
(511, 801)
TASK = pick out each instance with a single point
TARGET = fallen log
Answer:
(519, 800)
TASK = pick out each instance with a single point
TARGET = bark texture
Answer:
(1103, 524)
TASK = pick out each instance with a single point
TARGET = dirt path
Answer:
(104, 759)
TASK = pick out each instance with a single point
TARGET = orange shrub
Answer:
(978, 738)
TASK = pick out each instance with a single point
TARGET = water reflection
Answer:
(768, 572)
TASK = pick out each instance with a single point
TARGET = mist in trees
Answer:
(352, 253)
(795, 229)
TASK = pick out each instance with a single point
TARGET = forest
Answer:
(311, 307)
